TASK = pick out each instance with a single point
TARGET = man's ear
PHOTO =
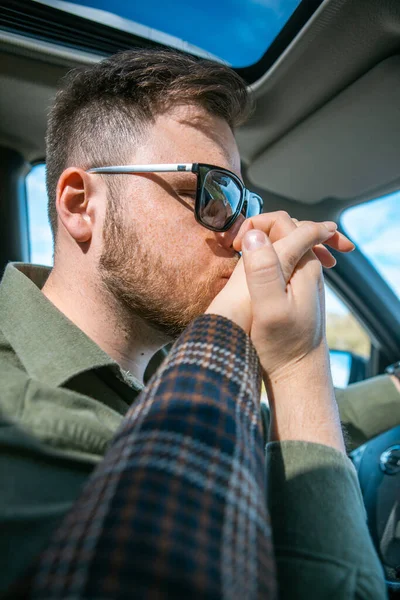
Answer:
(73, 207)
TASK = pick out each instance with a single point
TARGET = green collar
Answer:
(50, 347)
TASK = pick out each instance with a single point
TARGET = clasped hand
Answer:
(276, 292)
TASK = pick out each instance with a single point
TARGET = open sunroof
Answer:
(238, 32)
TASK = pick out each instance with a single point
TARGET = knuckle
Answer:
(312, 229)
(283, 215)
(265, 268)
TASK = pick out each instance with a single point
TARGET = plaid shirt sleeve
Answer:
(177, 508)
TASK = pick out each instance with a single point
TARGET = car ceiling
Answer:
(325, 133)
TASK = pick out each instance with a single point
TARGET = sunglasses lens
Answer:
(220, 199)
(254, 206)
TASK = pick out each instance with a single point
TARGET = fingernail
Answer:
(331, 226)
(254, 239)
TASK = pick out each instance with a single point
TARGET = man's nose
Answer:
(225, 238)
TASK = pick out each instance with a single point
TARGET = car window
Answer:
(346, 337)
(375, 228)
(344, 332)
(40, 238)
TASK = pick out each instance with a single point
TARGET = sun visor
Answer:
(347, 148)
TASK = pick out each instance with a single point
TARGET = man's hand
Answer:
(276, 294)
(287, 297)
(278, 224)
(234, 301)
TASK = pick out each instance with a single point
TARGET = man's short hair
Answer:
(102, 110)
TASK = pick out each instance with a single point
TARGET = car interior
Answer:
(324, 139)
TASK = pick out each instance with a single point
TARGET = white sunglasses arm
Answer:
(163, 168)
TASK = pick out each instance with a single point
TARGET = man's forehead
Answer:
(191, 134)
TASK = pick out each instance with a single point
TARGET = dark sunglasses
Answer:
(221, 196)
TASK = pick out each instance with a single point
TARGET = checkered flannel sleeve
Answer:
(177, 508)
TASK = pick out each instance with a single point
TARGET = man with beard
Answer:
(149, 214)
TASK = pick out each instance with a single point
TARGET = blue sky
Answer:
(375, 229)
(237, 31)
(373, 226)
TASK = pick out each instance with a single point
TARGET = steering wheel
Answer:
(378, 466)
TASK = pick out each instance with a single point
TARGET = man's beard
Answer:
(146, 284)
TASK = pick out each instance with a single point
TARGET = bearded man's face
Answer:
(156, 260)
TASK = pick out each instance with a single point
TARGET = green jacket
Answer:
(62, 399)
